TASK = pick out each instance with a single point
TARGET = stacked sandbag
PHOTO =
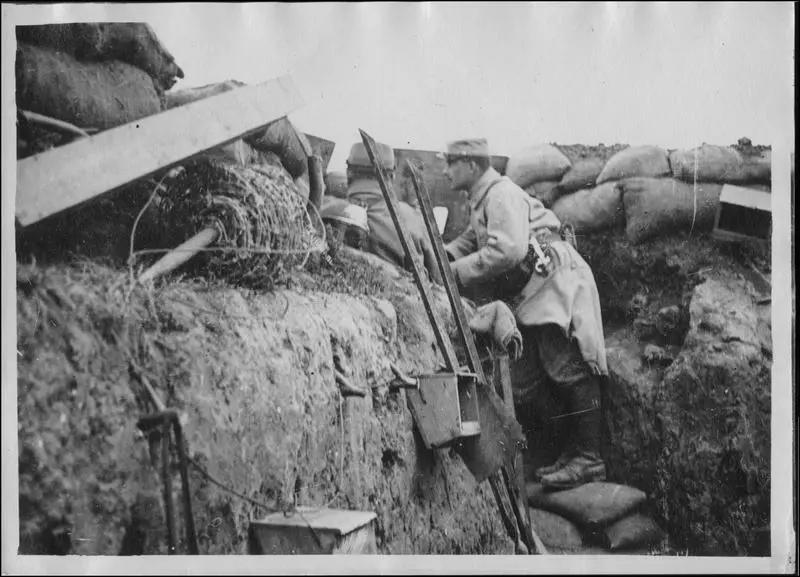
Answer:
(542, 165)
(722, 164)
(546, 191)
(659, 206)
(592, 210)
(600, 513)
(87, 94)
(134, 43)
(650, 191)
(582, 175)
(92, 75)
(650, 161)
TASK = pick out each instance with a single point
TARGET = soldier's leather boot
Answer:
(562, 460)
(585, 465)
(583, 468)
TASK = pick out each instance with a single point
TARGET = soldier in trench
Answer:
(363, 190)
(512, 250)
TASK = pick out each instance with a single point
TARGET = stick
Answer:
(316, 181)
(54, 123)
(179, 255)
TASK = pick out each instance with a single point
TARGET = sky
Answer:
(416, 75)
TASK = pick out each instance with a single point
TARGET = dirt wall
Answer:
(687, 402)
(252, 375)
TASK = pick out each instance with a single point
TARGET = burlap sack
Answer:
(660, 206)
(591, 210)
(537, 164)
(555, 531)
(709, 163)
(132, 42)
(87, 94)
(592, 505)
(582, 175)
(649, 161)
(546, 192)
(280, 136)
(633, 532)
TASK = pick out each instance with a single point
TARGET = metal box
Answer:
(743, 214)
(323, 148)
(445, 408)
(311, 531)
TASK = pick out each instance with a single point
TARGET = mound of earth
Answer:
(252, 375)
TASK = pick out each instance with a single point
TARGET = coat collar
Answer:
(477, 190)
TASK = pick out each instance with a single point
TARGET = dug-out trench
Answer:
(251, 373)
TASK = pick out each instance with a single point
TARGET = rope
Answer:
(287, 512)
(131, 253)
(221, 485)
(694, 193)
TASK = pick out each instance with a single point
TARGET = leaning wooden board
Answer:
(63, 177)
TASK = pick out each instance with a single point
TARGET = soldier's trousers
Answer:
(552, 360)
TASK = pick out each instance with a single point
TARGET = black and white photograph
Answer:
(425, 287)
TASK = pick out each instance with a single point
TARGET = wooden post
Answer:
(502, 381)
(180, 254)
(316, 181)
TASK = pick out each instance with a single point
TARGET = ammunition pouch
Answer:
(511, 283)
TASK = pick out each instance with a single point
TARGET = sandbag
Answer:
(86, 94)
(657, 206)
(710, 163)
(238, 152)
(555, 531)
(537, 164)
(582, 175)
(592, 505)
(132, 42)
(175, 98)
(590, 210)
(282, 138)
(336, 184)
(633, 532)
(546, 192)
(635, 161)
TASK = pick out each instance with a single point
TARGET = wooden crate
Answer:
(743, 214)
(315, 531)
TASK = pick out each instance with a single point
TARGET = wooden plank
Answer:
(747, 197)
(442, 338)
(467, 340)
(66, 176)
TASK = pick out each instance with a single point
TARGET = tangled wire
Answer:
(260, 217)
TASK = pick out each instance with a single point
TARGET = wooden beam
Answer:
(66, 176)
